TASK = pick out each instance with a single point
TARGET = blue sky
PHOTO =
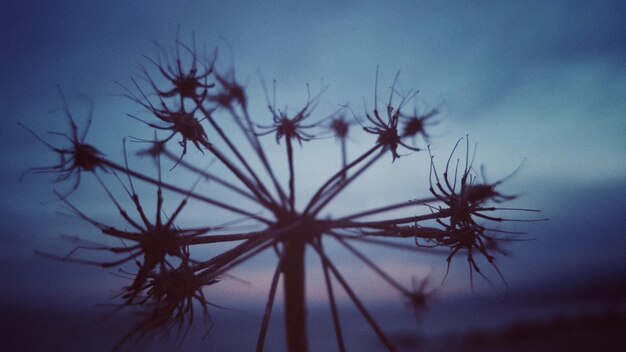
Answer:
(541, 81)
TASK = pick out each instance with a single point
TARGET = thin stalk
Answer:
(67, 259)
(292, 190)
(159, 206)
(357, 302)
(412, 248)
(344, 157)
(336, 224)
(336, 176)
(226, 267)
(399, 221)
(268, 307)
(234, 253)
(295, 304)
(216, 238)
(118, 206)
(241, 249)
(373, 266)
(260, 186)
(389, 208)
(107, 230)
(256, 144)
(333, 305)
(179, 190)
(208, 176)
(254, 189)
(341, 186)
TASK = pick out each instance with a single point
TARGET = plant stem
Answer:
(338, 176)
(344, 158)
(333, 304)
(268, 307)
(295, 309)
(292, 188)
(262, 191)
(182, 191)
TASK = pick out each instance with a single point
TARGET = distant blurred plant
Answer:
(190, 102)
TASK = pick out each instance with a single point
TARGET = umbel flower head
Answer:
(386, 128)
(168, 278)
(74, 159)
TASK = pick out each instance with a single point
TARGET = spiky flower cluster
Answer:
(193, 103)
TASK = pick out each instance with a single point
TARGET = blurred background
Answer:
(538, 81)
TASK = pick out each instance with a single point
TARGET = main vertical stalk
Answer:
(295, 307)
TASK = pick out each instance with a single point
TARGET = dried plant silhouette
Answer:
(185, 98)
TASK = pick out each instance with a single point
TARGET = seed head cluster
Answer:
(187, 102)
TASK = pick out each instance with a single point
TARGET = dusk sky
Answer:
(538, 82)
